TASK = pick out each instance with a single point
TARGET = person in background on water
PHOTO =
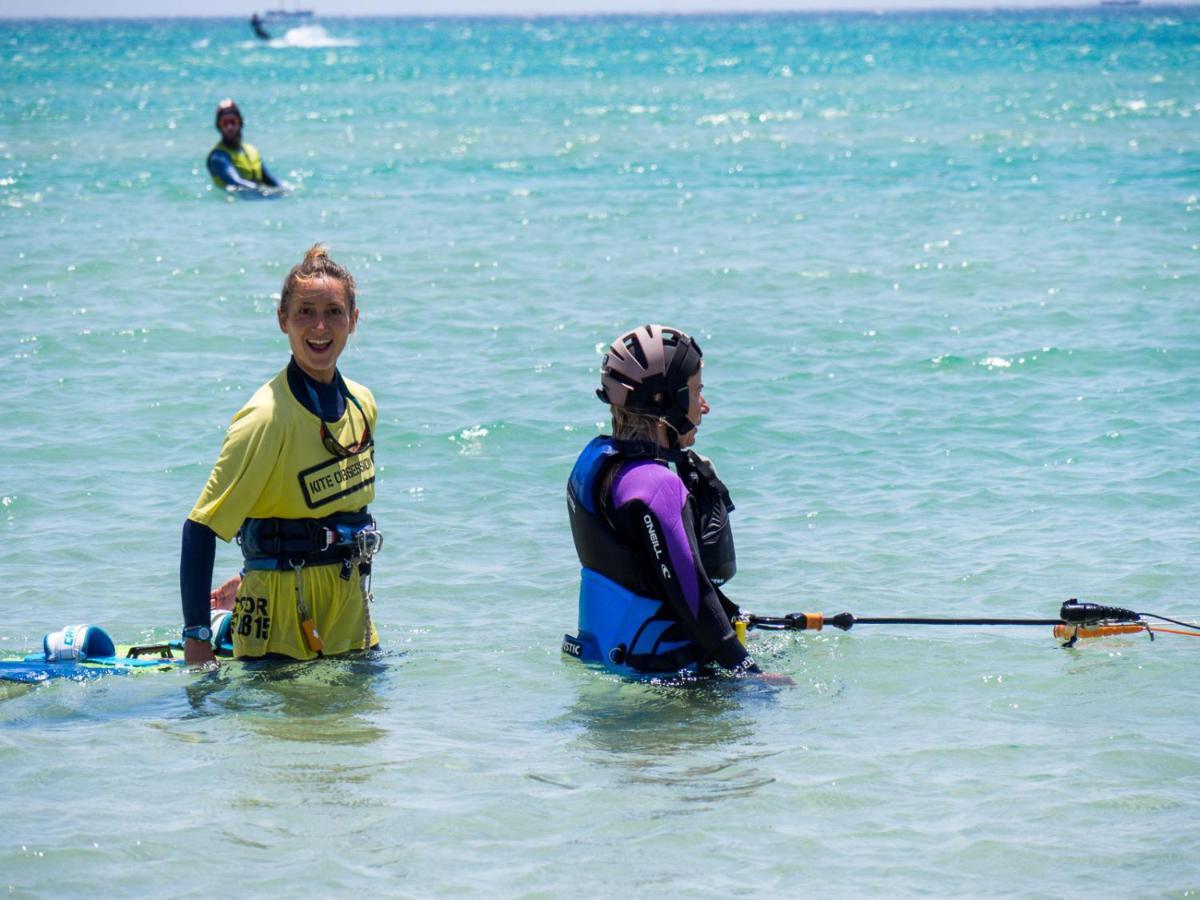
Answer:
(236, 164)
(655, 544)
(292, 483)
(260, 31)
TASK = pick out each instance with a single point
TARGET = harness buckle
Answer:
(329, 538)
(368, 543)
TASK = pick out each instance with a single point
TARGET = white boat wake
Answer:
(310, 36)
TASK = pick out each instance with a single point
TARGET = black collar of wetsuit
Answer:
(331, 397)
(629, 449)
(639, 449)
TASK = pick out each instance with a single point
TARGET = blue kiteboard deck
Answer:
(129, 659)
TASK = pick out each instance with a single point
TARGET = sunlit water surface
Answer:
(945, 272)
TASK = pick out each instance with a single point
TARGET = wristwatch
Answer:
(198, 633)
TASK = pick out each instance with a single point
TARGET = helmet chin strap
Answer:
(674, 433)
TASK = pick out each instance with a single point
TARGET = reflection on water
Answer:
(11, 689)
(695, 737)
(631, 717)
(333, 701)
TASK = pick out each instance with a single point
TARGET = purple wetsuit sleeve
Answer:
(657, 501)
(662, 491)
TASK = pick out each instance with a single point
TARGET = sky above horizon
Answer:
(238, 8)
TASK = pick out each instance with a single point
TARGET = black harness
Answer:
(283, 544)
(713, 506)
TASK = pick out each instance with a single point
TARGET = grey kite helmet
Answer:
(646, 371)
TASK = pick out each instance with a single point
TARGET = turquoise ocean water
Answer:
(945, 272)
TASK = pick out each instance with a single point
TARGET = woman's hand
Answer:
(198, 653)
(225, 596)
(775, 678)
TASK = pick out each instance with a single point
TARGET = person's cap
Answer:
(225, 107)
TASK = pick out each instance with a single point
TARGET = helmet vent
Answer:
(634, 348)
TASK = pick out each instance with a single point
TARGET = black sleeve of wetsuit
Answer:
(195, 572)
(268, 179)
(711, 627)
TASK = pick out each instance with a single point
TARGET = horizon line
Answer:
(919, 6)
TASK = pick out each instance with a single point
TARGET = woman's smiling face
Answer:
(318, 321)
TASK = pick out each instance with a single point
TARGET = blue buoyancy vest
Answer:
(620, 625)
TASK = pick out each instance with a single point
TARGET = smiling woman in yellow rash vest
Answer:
(292, 483)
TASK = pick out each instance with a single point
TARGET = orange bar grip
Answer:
(1069, 631)
(814, 621)
(315, 643)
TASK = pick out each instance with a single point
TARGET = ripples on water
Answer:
(943, 269)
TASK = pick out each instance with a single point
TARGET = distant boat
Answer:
(305, 13)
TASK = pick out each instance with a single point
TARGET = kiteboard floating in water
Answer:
(85, 652)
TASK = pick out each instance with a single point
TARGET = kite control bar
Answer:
(1075, 620)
